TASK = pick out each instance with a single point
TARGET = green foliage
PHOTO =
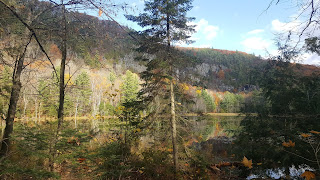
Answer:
(165, 22)
(5, 89)
(209, 101)
(288, 92)
(313, 44)
(156, 164)
(49, 94)
(82, 93)
(198, 166)
(32, 150)
(239, 69)
(255, 103)
(106, 108)
(112, 77)
(93, 62)
(129, 87)
(158, 13)
(114, 160)
(231, 103)
(292, 104)
(83, 80)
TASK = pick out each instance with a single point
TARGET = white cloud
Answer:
(309, 58)
(204, 34)
(283, 27)
(256, 43)
(256, 31)
(211, 31)
(204, 29)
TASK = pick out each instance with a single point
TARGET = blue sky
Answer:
(243, 25)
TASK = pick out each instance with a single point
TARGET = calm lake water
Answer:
(213, 126)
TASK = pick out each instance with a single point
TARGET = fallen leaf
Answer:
(308, 175)
(305, 135)
(288, 144)
(315, 132)
(247, 163)
(80, 160)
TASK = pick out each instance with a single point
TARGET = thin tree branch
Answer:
(32, 31)
(301, 156)
(104, 12)
(310, 18)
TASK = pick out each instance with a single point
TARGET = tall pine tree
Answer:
(165, 22)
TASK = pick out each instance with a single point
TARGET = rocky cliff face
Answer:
(223, 70)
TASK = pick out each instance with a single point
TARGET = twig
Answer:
(33, 33)
(301, 156)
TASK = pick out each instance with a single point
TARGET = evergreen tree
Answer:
(165, 22)
(82, 93)
(130, 87)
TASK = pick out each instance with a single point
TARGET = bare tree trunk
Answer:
(172, 99)
(25, 100)
(14, 97)
(2, 126)
(39, 113)
(62, 70)
(76, 112)
(174, 128)
(36, 110)
(63, 49)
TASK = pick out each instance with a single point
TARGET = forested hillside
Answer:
(82, 97)
(104, 51)
(227, 70)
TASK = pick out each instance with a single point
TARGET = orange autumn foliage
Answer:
(305, 135)
(80, 160)
(55, 51)
(308, 175)
(247, 163)
(221, 74)
(40, 65)
(288, 144)
(315, 132)
(100, 12)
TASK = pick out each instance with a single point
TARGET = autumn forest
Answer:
(84, 97)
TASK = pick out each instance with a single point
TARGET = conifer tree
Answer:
(129, 87)
(165, 23)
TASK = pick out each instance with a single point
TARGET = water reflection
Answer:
(214, 126)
